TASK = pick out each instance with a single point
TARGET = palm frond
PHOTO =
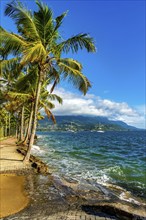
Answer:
(23, 19)
(12, 42)
(44, 93)
(18, 95)
(53, 74)
(43, 20)
(71, 62)
(45, 83)
(46, 104)
(2, 98)
(9, 65)
(27, 83)
(74, 76)
(59, 20)
(34, 52)
(13, 106)
(3, 54)
(54, 97)
(80, 41)
(39, 116)
(49, 114)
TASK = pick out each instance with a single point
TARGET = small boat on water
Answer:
(70, 130)
(101, 131)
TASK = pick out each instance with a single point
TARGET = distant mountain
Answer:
(80, 123)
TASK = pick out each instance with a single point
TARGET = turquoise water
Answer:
(117, 158)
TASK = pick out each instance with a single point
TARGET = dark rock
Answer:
(36, 163)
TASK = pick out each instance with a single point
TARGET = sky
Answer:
(117, 70)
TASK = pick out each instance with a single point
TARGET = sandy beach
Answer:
(12, 194)
(13, 197)
(10, 159)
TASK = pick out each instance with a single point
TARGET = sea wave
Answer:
(126, 196)
(107, 160)
(37, 150)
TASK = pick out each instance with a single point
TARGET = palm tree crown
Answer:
(39, 41)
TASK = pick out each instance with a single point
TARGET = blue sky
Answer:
(117, 70)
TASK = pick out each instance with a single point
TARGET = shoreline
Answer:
(49, 196)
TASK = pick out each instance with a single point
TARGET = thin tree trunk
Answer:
(25, 128)
(22, 124)
(18, 130)
(6, 127)
(9, 124)
(29, 126)
(16, 133)
(34, 124)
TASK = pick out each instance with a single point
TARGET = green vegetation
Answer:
(36, 62)
(83, 123)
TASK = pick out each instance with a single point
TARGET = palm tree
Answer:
(39, 42)
(24, 92)
(10, 72)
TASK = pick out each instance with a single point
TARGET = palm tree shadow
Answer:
(10, 159)
(96, 211)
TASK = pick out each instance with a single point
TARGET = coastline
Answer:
(51, 198)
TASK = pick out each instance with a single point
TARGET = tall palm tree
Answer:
(39, 42)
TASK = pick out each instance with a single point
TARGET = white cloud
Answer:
(74, 104)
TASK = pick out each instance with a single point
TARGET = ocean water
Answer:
(117, 158)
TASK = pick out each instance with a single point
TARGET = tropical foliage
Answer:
(37, 50)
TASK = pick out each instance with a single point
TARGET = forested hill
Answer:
(78, 123)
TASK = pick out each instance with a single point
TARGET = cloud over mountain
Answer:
(75, 104)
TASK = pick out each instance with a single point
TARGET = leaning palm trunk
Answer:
(29, 126)
(34, 121)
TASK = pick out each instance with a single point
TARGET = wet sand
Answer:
(12, 194)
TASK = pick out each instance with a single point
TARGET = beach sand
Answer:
(12, 194)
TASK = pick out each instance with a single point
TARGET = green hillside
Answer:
(82, 123)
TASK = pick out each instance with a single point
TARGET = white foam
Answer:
(103, 179)
(123, 196)
(114, 169)
(37, 150)
(36, 147)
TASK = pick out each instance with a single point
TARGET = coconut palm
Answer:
(39, 42)
(25, 93)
